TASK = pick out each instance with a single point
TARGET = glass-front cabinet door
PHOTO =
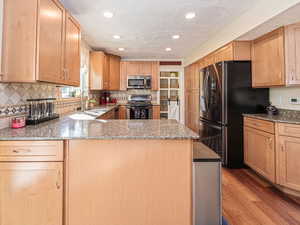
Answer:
(169, 95)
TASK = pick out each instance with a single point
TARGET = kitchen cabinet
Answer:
(288, 156)
(1, 31)
(31, 184)
(143, 68)
(122, 112)
(110, 115)
(38, 40)
(114, 73)
(98, 80)
(272, 149)
(156, 112)
(259, 152)
(31, 193)
(192, 89)
(72, 51)
(104, 71)
(268, 60)
(123, 76)
(292, 54)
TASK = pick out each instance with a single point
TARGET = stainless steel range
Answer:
(139, 107)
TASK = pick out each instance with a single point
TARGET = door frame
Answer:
(180, 70)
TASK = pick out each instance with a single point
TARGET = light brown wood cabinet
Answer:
(192, 85)
(31, 184)
(114, 73)
(104, 71)
(156, 112)
(273, 151)
(275, 56)
(268, 60)
(259, 152)
(144, 68)
(122, 112)
(40, 43)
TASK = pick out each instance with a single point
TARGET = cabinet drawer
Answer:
(291, 130)
(16, 151)
(263, 125)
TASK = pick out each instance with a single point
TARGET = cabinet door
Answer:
(72, 55)
(123, 76)
(114, 73)
(19, 41)
(156, 112)
(268, 60)
(288, 165)
(292, 50)
(155, 76)
(51, 41)
(31, 193)
(122, 113)
(259, 152)
(106, 72)
(145, 68)
(97, 61)
(133, 68)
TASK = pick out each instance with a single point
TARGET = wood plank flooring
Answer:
(249, 200)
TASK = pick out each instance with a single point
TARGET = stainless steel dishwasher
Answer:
(206, 186)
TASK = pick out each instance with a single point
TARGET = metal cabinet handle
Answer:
(282, 148)
(270, 143)
(58, 181)
(17, 151)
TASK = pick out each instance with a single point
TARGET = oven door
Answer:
(214, 136)
(139, 113)
(136, 83)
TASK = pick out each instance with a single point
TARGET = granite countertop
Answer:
(281, 118)
(202, 153)
(92, 128)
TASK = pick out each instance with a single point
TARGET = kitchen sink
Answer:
(82, 116)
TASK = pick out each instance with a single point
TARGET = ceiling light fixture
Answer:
(190, 15)
(176, 36)
(108, 14)
(116, 37)
(168, 49)
(121, 49)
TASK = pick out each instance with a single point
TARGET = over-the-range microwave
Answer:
(139, 82)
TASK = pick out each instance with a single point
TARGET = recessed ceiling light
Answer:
(190, 15)
(116, 37)
(176, 36)
(121, 49)
(168, 49)
(108, 14)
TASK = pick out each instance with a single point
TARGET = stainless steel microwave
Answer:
(139, 82)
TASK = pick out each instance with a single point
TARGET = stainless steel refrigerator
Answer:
(225, 94)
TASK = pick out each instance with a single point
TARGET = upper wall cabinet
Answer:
(104, 71)
(41, 42)
(144, 68)
(236, 50)
(275, 56)
(268, 60)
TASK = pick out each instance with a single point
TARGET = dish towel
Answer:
(173, 112)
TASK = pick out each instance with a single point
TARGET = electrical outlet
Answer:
(295, 101)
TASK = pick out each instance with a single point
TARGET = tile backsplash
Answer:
(16, 94)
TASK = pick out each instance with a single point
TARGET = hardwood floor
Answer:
(249, 200)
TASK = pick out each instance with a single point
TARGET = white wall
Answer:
(280, 97)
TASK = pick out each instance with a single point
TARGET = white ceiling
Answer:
(289, 16)
(146, 27)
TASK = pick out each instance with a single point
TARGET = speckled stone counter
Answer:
(66, 128)
(281, 118)
(202, 153)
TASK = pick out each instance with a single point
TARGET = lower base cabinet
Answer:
(31, 193)
(288, 166)
(259, 152)
(156, 112)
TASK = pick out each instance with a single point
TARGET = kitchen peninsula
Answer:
(125, 172)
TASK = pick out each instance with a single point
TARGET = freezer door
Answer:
(215, 137)
(211, 94)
